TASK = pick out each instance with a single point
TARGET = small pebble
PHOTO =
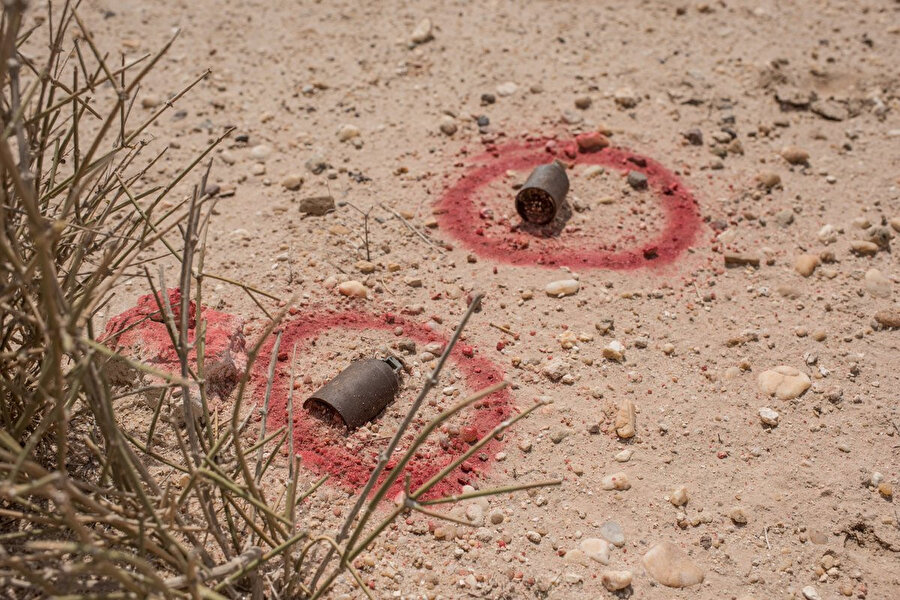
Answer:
(768, 416)
(353, 289)
(563, 287)
(615, 580)
(616, 481)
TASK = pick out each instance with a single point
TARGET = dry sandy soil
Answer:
(297, 79)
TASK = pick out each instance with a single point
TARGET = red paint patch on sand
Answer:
(140, 332)
(322, 448)
(459, 212)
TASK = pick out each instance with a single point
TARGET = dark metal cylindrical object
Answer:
(540, 198)
(358, 394)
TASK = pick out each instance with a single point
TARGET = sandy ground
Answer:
(753, 78)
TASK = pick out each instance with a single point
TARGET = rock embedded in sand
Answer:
(768, 179)
(805, 264)
(292, 182)
(877, 284)
(612, 533)
(888, 318)
(784, 382)
(448, 125)
(626, 97)
(316, 206)
(423, 32)
(810, 593)
(353, 289)
(738, 516)
(668, 565)
(795, 155)
(637, 180)
(596, 549)
(768, 416)
(562, 287)
(615, 580)
(260, 152)
(507, 88)
(863, 248)
(679, 496)
(347, 132)
(741, 260)
(616, 481)
(591, 141)
(625, 419)
(614, 351)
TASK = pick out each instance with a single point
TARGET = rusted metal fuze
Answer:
(358, 394)
(540, 198)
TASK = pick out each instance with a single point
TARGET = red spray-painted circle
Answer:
(320, 447)
(458, 212)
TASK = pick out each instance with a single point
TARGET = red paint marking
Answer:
(142, 332)
(459, 212)
(322, 448)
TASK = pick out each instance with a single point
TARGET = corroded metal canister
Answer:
(542, 194)
(358, 394)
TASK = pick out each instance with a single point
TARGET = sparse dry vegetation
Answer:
(81, 515)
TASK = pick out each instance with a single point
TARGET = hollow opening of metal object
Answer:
(357, 394)
(542, 194)
(535, 206)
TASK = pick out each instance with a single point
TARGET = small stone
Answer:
(556, 369)
(616, 481)
(316, 205)
(795, 155)
(738, 516)
(365, 267)
(563, 287)
(784, 217)
(768, 416)
(260, 152)
(292, 182)
(625, 419)
(679, 497)
(784, 382)
(671, 567)
(768, 179)
(612, 533)
(614, 351)
(258, 169)
(591, 141)
(624, 455)
(805, 264)
(347, 133)
(886, 490)
(828, 234)
(150, 101)
(534, 537)
(583, 102)
(615, 580)
(877, 284)
(863, 248)
(694, 137)
(810, 593)
(740, 260)
(626, 98)
(637, 180)
(316, 164)
(353, 289)
(596, 549)
(895, 224)
(448, 125)
(496, 517)
(888, 318)
(507, 88)
(422, 33)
